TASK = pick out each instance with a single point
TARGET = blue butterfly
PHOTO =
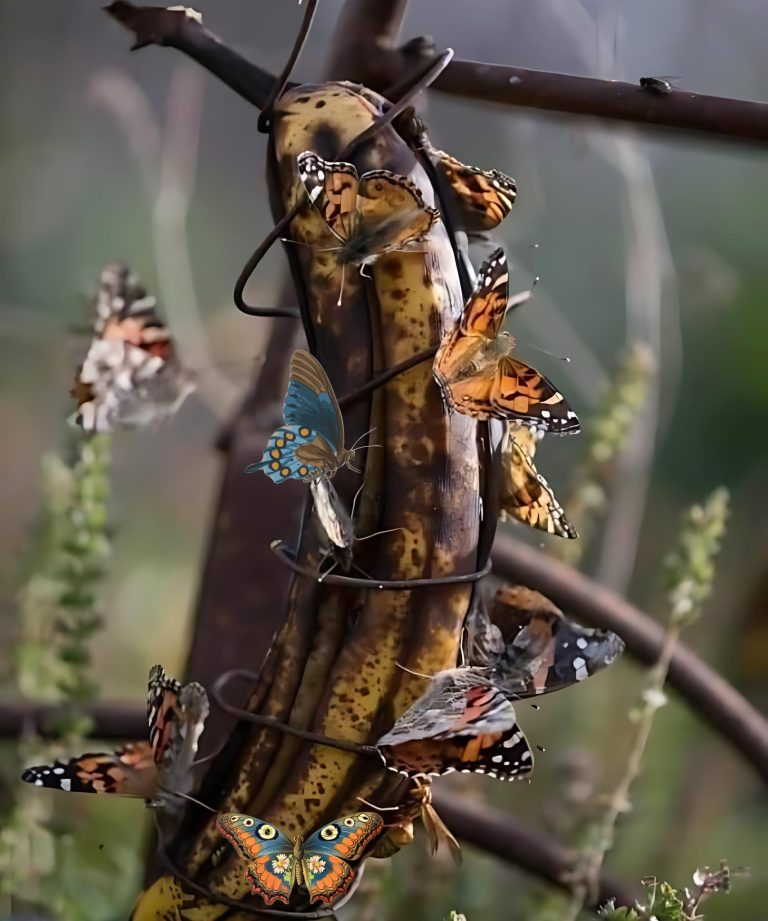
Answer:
(310, 446)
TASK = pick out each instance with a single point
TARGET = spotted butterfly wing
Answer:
(311, 443)
(525, 494)
(128, 771)
(545, 651)
(370, 215)
(476, 371)
(332, 188)
(330, 853)
(483, 198)
(176, 715)
(131, 376)
(462, 722)
(269, 855)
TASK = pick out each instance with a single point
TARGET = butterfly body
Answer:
(477, 371)
(155, 769)
(369, 215)
(325, 864)
(310, 445)
(525, 494)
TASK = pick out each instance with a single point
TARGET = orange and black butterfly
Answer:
(325, 864)
(131, 376)
(370, 215)
(462, 722)
(477, 372)
(482, 198)
(525, 494)
(159, 769)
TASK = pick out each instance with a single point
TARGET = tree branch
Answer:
(110, 720)
(154, 25)
(516, 842)
(735, 119)
(707, 693)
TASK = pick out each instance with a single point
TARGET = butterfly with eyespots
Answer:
(525, 494)
(477, 372)
(310, 445)
(158, 770)
(326, 864)
(462, 722)
(131, 376)
(369, 215)
(483, 198)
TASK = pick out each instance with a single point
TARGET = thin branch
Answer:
(153, 25)
(734, 119)
(505, 836)
(108, 720)
(708, 694)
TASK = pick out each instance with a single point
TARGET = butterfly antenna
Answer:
(354, 501)
(358, 440)
(365, 802)
(412, 672)
(188, 797)
(378, 533)
(341, 287)
(329, 570)
(564, 358)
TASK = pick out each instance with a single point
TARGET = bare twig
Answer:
(731, 119)
(706, 692)
(153, 25)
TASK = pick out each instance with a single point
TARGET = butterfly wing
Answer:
(465, 363)
(332, 188)
(270, 864)
(128, 771)
(545, 651)
(483, 643)
(176, 718)
(311, 401)
(462, 722)
(525, 494)
(483, 197)
(334, 520)
(392, 215)
(330, 851)
(522, 393)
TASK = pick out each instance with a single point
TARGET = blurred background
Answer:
(635, 238)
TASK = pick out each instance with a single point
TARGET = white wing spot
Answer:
(582, 643)
(66, 784)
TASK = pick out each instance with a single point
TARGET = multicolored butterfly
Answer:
(482, 198)
(463, 722)
(531, 648)
(131, 376)
(370, 215)
(525, 494)
(158, 770)
(310, 445)
(325, 864)
(475, 368)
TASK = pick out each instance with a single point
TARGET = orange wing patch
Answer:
(475, 369)
(334, 881)
(525, 494)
